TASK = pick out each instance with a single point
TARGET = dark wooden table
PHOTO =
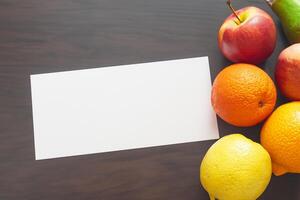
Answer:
(38, 36)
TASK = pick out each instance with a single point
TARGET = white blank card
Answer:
(122, 107)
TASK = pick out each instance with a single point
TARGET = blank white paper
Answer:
(122, 107)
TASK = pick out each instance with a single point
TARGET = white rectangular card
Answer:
(122, 107)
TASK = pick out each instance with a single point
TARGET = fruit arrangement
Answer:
(244, 95)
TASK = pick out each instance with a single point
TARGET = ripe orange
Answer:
(280, 136)
(243, 95)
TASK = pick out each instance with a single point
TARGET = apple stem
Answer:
(232, 10)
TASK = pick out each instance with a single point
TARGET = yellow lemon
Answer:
(235, 168)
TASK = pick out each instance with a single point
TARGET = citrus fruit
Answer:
(235, 168)
(243, 94)
(280, 136)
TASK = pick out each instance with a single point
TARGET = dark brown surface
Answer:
(38, 36)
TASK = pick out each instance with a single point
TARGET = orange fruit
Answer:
(243, 95)
(280, 136)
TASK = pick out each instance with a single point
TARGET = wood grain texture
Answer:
(38, 36)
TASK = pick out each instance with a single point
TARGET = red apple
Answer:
(287, 72)
(248, 35)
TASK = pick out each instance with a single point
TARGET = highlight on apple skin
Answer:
(247, 37)
(287, 72)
